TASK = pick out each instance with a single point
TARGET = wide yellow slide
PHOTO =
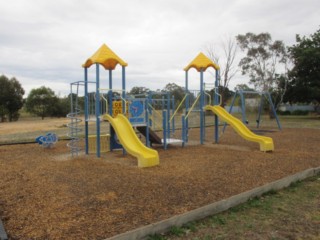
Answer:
(147, 157)
(266, 143)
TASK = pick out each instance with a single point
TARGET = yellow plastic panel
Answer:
(147, 157)
(266, 143)
(201, 62)
(117, 108)
(106, 57)
(104, 143)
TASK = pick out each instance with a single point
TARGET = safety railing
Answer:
(193, 105)
(155, 111)
(120, 96)
(175, 112)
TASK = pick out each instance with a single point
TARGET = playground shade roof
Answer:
(201, 62)
(106, 57)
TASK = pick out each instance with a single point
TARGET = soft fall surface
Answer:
(45, 194)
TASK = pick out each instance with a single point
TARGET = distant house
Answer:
(293, 107)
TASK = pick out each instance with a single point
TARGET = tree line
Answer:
(290, 74)
(42, 102)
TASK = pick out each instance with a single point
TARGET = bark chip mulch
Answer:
(44, 194)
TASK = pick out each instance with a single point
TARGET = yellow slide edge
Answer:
(266, 143)
(146, 157)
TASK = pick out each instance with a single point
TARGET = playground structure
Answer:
(263, 96)
(127, 112)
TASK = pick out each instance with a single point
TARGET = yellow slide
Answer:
(266, 143)
(147, 157)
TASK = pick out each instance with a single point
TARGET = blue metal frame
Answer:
(98, 109)
(110, 92)
(164, 119)
(147, 123)
(172, 110)
(86, 112)
(216, 102)
(168, 115)
(183, 120)
(260, 110)
(243, 109)
(187, 108)
(123, 89)
(201, 108)
(274, 111)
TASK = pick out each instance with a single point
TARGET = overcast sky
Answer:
(45, 42)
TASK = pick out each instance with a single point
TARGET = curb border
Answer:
(213, 208)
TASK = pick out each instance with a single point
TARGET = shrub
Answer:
(300, 112)
(284, 113)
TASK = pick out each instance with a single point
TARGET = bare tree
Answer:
(228, 68)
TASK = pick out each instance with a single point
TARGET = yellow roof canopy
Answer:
(201, 62)
(106, 57)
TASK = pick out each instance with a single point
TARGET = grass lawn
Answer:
(293, 213)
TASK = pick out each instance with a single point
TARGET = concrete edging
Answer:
(3, 234)
(214, 208)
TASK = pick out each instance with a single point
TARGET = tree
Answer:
(243, 87)
(175, 90)
(228, 68)
(304, 85)
(139, 91)
(227, 94)
(264, 59)
(11, 98)
(41, 102)
(61, 108)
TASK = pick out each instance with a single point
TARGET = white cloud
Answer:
(45, 42)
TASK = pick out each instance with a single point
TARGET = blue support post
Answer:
(233, 101)
(98, 109)
(204, 113)
(110, 92)
(183, 120)
(274, 110)
(173, 124)
(201, 108)
(86, 111)
(243, 108)
(123, 96)
(123, 90)
(216, 102)
(260, 110)
(168, 114)
(187, 107)
(230, 109)
(147, 123)
(163, 105)
(164, 125)
(149, 109)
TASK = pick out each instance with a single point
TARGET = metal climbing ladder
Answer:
(74, 125)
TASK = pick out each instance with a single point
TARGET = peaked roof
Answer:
(201, 62)
(106, 57)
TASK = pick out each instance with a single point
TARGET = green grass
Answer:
(292, 213)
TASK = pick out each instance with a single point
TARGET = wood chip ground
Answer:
(46, 194)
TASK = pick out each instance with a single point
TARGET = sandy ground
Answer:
(33, 125)
(45, 194)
